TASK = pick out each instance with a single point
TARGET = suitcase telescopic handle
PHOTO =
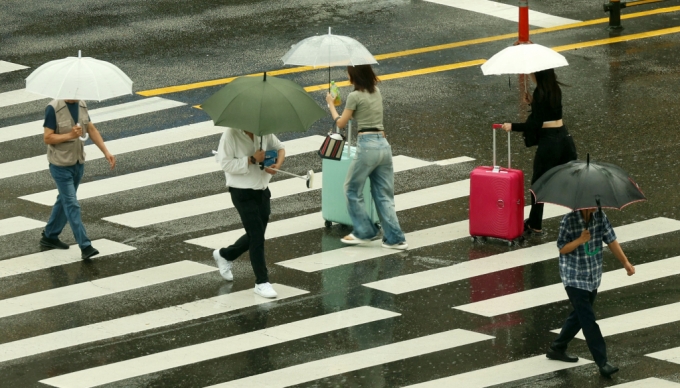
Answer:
(495, 166)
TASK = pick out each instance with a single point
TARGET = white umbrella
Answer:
(80, 78)
(523, 59)
(328, 50)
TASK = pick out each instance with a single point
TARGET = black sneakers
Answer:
(607, 370)
(88, 252)
(560, 356)
(52, 243)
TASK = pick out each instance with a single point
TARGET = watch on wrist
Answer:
(252, 160)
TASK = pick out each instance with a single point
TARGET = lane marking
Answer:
(636, 320)
(555, 293)
(219, 348)
(163, 174)
(349, 362)
(670, 355)
(20, 96)
(651, 382)
(618, 39)
(222, 201)
(398, 54)
(18, 224)
(548, 251)
(118, 147)
(641, 2)
(505, 11)
(57, 257)
(140, 322)
(99, 115)
(101, 287)
(503, 373)
(6, 67)
(289, 226)
(372, 250)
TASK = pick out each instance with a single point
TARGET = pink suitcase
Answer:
(497, 199)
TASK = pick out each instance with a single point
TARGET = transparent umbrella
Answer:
(328, 50)
(523, 59)
(81, 78)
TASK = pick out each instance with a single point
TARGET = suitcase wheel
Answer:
(328, 224)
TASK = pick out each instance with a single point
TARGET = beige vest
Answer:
(69, 152)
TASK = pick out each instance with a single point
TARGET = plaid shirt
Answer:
(577, 268)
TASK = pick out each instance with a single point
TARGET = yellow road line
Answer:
(222, 81)
(641, 2)
(460, 65)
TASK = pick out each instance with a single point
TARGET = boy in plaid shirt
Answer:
(580, 243)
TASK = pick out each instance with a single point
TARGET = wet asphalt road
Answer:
(620, 106)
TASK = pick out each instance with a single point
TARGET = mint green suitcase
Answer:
(333, 202)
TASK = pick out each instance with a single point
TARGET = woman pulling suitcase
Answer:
(373, 160)
(544, 127)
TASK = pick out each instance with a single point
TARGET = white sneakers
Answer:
(401, 246)
(223, 265)
(265, 290)
(351, 239)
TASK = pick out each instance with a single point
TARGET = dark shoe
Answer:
(53, 243)
(528, 230)
(607, 370)
(560, 356)
(88, 252)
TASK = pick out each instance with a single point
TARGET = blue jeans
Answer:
(373, 160)
(67, 207)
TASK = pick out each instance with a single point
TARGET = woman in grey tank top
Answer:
(373, 160)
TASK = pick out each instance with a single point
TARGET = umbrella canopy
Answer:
(523, 59)
(582, 184)
(80, 78)
(328, 50)
(263, 106)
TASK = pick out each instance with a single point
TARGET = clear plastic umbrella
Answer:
(328, 50)
(523, 59)
(81, 78)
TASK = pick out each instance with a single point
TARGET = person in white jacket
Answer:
(240, 154)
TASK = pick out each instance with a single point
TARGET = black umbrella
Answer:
(585, 185)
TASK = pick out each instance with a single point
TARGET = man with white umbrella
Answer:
(64, 123)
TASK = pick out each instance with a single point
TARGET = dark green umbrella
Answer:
(263, 106)
(581, 184)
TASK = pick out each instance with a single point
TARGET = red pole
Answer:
(523, 33)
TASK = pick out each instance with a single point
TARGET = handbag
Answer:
(332, 146)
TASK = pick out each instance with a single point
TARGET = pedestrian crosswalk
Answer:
(16, 97)
(6, 67)
(18, 224)
(377, 298)
(220, 348)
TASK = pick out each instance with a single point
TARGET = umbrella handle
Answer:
(87, 134)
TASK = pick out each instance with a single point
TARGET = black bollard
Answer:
(614, 8)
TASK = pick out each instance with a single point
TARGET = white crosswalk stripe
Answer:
(669, 355)
(505, 11)
(520, 257)
(503, 373)
(160, 175)
(57, 257)
(213, 203)
(372, 250)
(20, 96)
(18, 224)
(101, 287)
(140, 322)
(555, 293)
(332, 366)
(118, 147)
(99, 115)
(313, 221)
(219, 348)
(636, 320)
(651, 382)
(6, 67)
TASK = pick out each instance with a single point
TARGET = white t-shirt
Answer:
(233, 152)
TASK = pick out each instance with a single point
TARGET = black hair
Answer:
(548, 87)
(362, 77)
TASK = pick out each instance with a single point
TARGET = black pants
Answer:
(582, 318)
(253, 207)
(555, 147)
